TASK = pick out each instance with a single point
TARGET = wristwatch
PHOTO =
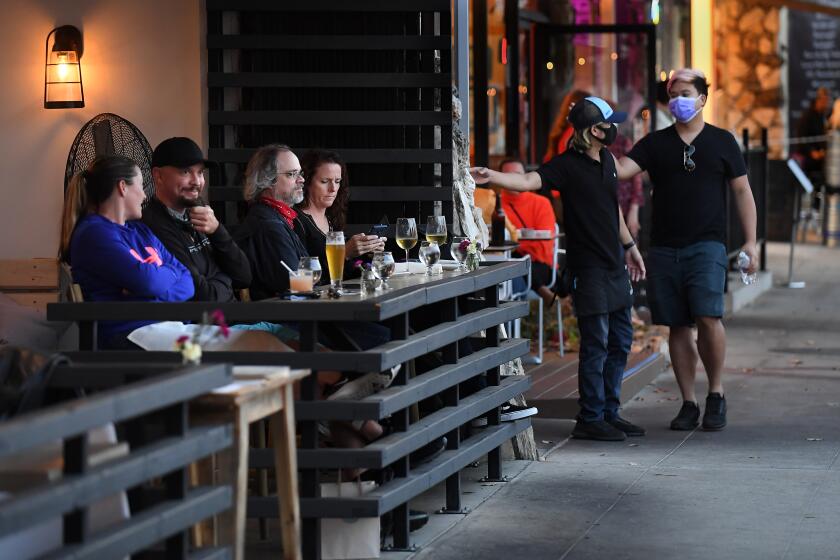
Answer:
(628, 245)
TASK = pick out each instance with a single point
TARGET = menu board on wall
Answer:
(813, 60)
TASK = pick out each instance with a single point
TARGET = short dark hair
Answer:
(511, 160)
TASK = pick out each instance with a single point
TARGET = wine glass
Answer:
(335, 257)
(430, 255)
(458, 253)
(406, 236)
(313, 264)
(436, 230)
(384, 266)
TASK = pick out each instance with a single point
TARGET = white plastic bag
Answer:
(353, 538)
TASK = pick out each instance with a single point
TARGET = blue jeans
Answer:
(604, 344)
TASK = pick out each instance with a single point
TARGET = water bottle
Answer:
(743, 265)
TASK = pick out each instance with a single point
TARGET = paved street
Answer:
(768, 486)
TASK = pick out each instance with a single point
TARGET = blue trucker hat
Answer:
(593, 110)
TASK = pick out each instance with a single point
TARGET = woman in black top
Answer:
(324, 209)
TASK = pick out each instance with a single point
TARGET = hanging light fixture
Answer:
(63, 72)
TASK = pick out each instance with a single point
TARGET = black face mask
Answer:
(609, 135)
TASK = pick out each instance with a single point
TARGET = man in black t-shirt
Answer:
(585, 175)
(691, 164)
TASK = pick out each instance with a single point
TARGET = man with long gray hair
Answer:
(268, 236)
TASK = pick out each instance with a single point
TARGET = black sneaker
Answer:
(627, 427)
(428, 452)
(688, 417)
(511, 412)
(714, 418)
(598, 430)
(417, 519)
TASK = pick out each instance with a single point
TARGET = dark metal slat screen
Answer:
(368, 79)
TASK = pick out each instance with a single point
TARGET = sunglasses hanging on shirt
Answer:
(688, 163)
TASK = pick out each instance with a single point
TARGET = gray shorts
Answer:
(686, 283)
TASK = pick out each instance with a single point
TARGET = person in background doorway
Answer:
(561, 131)
(812, 124)
(664, 118)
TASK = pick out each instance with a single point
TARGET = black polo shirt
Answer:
(590, 208)
(689, 206)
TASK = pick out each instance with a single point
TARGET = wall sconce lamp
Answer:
(63, 72)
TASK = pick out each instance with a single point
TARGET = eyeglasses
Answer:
(293, 175)
(688, 163)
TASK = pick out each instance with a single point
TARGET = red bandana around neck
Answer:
(282, 208)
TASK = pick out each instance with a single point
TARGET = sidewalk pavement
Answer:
(768, 486)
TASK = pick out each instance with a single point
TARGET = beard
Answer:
(190, 202)
(295, 197)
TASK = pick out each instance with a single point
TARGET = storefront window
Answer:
(555, 61)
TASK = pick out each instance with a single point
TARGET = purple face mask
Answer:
(683, 108)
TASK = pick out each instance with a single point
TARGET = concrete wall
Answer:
(143, 60)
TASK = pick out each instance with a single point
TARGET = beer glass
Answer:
(335, 257)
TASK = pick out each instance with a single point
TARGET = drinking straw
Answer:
(292, 272)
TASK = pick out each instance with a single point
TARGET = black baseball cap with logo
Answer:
(594, 110)
(178, 152)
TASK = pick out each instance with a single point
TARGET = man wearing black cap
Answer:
(595, 233)
(188, 228)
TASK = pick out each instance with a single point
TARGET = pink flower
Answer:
(182, 339)
(464, 244)
(218, 318)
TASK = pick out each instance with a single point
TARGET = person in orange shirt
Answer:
(533, 211)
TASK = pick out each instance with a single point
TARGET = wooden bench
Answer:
(31, 282)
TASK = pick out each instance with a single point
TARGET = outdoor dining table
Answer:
(459, 305)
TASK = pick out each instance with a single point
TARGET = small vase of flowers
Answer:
(473, 251)
(212, 327)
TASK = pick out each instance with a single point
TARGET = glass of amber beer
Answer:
(335, 257)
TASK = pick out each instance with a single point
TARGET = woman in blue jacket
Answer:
(115, 257)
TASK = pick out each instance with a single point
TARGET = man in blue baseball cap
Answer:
(601, 257)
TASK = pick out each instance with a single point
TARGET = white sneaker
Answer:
(511, 412)
(364, 386)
